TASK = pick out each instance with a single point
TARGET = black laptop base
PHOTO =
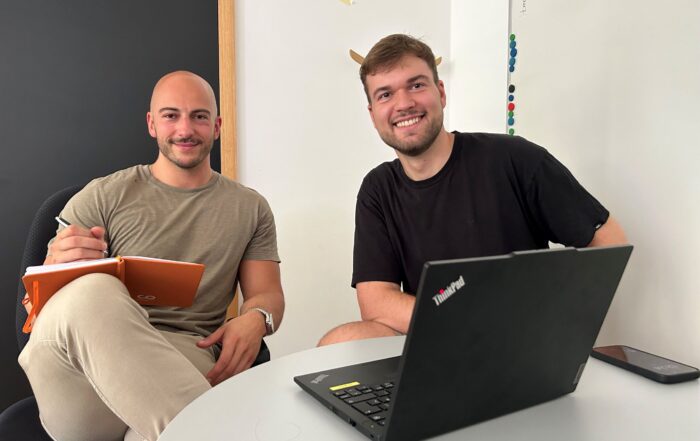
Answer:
(360, 394)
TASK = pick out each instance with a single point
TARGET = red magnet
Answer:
(511, 106)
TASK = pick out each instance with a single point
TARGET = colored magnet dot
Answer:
(511, 106)
(511, 97)
(512, 37)
(511, 132)
(511, 121)
(513, 44)
(511, 61)
(513, 52)
(511, 69)
(511, 114)
(511, 88)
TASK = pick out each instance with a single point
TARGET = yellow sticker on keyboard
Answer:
(343, 386)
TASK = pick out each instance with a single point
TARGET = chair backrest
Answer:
(43, 228)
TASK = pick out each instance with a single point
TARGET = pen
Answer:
(64, 223)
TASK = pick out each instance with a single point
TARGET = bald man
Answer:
(102, 367)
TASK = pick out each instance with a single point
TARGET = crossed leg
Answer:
(97, 367)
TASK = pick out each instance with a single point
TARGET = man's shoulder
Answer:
(496, 143)
(118, 179)
(382, 175)
(495, 148)
(234, 189)
(103, 192)
(134, 173)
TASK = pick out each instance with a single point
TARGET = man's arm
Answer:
(240, 337)
(73, 243)
(262, 288)
(77, 243)
(610, 233)
(384, 303)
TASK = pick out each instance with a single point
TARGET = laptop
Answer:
(488, 336)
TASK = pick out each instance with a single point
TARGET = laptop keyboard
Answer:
(372, 401)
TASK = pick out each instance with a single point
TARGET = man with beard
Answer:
(448, 195)
(100, 364)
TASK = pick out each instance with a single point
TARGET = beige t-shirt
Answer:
(218, 225)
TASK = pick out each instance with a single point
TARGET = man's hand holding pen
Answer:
(74, 243)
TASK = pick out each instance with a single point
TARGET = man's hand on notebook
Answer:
(77, 243)
(240, 342)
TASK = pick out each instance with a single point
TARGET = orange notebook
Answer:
(150, 281)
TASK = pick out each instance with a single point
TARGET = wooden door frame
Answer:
(227, 88)
(227, 102)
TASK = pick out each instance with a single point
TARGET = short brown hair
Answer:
(388, 52)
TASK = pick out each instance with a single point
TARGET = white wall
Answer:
(611, 88)
(622, 120)
(306, 140)
(478, 58)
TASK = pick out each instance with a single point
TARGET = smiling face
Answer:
(183, 119)
(406, 105)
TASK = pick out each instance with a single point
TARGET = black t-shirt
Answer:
(496, 194)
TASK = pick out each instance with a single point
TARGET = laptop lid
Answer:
(488, 336)
(493, 335)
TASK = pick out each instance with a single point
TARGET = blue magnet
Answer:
(511, 69)
(511, 61)
(513, 52)
(512, 44)
(511, 97)
(511, 121)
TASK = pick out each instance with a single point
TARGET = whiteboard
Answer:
(612, 89)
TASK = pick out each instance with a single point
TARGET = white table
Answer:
(265, 404)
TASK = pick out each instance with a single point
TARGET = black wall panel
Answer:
(75, 84)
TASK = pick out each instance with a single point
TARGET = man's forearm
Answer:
(272, 302)
(385, 303)
(610, 233)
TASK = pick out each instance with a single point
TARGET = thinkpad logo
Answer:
(448, 291)
(319, 379)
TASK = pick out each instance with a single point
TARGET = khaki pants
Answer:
(98, 368)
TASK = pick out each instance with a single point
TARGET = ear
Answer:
(151, 125)
(217, 127)
(371, 115)
(443, 95)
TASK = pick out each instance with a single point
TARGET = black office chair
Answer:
(21, 420)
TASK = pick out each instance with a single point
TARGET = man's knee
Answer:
(356, 331)
(336, 335)
(89, 297)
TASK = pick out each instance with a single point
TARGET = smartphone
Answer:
(645, 364)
